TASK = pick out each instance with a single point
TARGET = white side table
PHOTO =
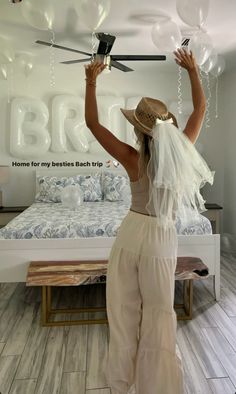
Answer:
(213, 214)
(9, 213)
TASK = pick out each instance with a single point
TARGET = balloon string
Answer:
(52, 60)
(208, 101)
(179, 91)
(217, 97)
(93, 45)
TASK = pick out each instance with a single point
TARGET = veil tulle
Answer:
(176, 173)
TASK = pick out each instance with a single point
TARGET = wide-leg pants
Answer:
(142, 354)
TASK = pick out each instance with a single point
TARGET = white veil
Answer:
(176, 172)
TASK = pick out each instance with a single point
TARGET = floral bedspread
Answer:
(91, 219)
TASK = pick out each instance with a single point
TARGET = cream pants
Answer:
(142, 356)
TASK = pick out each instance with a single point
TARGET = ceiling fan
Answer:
(106, 42)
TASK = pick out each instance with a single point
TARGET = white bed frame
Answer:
(15, 255)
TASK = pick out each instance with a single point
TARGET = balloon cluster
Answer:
(166, 36)
(41, 15)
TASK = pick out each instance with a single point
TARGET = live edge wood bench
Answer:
(73, 273)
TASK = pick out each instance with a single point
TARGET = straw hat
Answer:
(143, 118)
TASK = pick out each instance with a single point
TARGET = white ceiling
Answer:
(129, 20)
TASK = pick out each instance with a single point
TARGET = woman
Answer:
(165, 176)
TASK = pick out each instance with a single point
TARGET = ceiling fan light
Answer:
(107, 62)
(106, 70)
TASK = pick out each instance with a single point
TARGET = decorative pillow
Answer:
(50, 187)
(90, 185)
(114, 186)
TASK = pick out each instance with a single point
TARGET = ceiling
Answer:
(130, 21)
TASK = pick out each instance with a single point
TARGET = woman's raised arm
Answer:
(194, 123)
(121, 151)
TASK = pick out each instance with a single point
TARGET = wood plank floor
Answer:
(69, 360)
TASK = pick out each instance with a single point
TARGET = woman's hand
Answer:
(92, 70)
(185, 59)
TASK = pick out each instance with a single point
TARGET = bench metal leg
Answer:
(47, 312)
(44, 306)
(188, 298)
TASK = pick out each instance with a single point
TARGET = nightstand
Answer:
(213, 214)
(9, 213)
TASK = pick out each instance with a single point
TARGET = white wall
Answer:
(70, 80)
(228, 132)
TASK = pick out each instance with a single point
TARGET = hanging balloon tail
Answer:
(179, 91)
(93, 49)
(217, 97)
(52, 60)
(208, 101)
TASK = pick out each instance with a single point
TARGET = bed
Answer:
(50, 231)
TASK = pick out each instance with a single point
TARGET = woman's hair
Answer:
(144, 152)
(143, 141)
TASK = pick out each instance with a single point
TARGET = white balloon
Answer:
(211, 62)
(25, 62)
(72, 196)
(39, 14)
(64, 126)
(193, 12)
(3, 71)
(201, 46)
(6, 52)
(92, 12)
(29, 138)
(166, 36)
(218, 69)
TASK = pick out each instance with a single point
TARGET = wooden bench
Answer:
(73, 273)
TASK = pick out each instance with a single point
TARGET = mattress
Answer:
(91, 219)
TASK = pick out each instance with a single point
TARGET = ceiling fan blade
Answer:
(120, 66)
(76, 61)
(138, 57)
(61, 47)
